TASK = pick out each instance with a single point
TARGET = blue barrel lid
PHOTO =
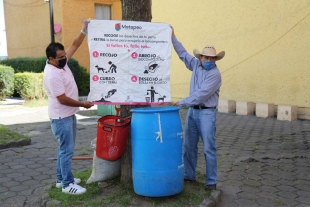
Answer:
(155, 109)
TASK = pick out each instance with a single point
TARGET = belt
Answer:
(203, 107)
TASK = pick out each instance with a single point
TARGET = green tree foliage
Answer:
(37, 64)
(6, 81)
(29, 85)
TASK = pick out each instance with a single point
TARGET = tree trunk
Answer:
(132, 10)
(137, 10)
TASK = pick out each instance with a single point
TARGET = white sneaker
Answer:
(59, 183)
(74, 189)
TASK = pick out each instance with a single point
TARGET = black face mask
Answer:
(62, 62)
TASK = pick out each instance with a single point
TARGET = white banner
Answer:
(129, 62)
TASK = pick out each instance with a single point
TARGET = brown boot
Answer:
(210, 187)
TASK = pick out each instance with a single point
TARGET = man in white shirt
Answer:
(63, 104)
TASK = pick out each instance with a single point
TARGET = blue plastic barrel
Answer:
(156, 139)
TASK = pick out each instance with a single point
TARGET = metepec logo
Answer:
(119, 26)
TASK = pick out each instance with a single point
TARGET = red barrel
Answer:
(112, 133)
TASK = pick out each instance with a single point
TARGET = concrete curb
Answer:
(214, 200)
(18, 143)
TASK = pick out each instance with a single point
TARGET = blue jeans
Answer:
(65, 132)
(200, 123)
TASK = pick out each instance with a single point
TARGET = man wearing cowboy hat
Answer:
(201, 117)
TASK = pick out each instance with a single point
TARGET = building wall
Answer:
(3, 46)
(73, 25)
(266, 42)
(266, 45)
(28, 25)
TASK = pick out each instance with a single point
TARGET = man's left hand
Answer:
(88, 104)
(85, 25)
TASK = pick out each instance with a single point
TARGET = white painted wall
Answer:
(3, 45)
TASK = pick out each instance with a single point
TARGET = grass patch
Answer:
(119, 194)
(69, 200)
(7, 135)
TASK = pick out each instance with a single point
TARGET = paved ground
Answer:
(261, 162)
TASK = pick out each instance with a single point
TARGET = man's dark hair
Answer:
(52, 49)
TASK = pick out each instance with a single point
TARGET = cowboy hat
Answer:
(209, 50)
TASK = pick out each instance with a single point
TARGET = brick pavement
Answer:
(261, 162)
(26, 171)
